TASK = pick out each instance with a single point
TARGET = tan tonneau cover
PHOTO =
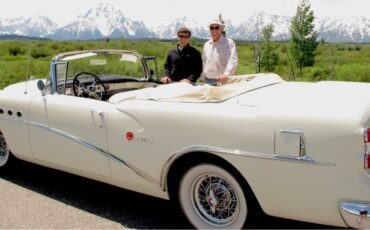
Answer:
(184, 92)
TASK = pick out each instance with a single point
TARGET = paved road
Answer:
(37, 197)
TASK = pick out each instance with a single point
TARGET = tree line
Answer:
(302, 46)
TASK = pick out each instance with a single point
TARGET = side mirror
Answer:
(41, 87)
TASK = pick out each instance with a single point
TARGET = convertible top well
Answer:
(184, 92)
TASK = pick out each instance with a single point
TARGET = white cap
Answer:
(215, 22)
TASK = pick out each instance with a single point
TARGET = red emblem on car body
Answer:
(130, 136)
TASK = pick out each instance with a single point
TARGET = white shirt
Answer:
(219, 57)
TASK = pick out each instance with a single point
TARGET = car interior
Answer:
(100, 75)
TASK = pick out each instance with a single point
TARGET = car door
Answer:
(70, 132)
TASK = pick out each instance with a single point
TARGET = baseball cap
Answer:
(215, 22)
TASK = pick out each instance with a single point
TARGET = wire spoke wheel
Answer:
(215, 199)
(212, 198)
(4, 151)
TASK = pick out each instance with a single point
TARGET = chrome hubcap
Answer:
(215, 200)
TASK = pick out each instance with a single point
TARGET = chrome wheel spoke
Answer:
(3, 148)
(215, 199)
(4, 151)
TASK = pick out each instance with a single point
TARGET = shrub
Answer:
(39, 52)
(15, 50)
(317, 74)
(54, 46)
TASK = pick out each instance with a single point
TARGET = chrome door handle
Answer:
(101, 114)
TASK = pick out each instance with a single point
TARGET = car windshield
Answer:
(108, 64)
(77, 73)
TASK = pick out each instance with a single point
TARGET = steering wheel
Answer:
(83, 90)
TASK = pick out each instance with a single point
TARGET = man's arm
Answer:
(167, 70)
(204, 62)
(232, 57)
(168, 66)
(197, 66)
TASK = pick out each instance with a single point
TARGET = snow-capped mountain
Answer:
(103, 21)
(244, 31)
(106, 21)
(10, 26)
(170, 31)
(248, 29)
(37, 26)
(345, 29)
(230, 28)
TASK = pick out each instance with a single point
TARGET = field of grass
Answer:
(343, 62)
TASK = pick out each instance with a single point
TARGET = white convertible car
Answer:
(293, 150)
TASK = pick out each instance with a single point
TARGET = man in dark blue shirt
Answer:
(184, 63)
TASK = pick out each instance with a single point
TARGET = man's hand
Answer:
(222, 78)
(166, 79)
(185, 80)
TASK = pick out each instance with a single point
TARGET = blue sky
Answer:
(159, 12)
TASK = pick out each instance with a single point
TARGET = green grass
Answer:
(342, 62)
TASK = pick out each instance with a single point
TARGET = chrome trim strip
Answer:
(96, 149)
(356, 214)
(53, 78)
(219, 151)
(68, 136)
(59, 57)
(136, 170)
(93, 147)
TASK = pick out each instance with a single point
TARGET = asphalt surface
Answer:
(32, 197)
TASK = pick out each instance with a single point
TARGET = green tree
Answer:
(270, 57)
(303, 43)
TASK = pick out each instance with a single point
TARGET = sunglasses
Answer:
(214, 27)
(183, 36)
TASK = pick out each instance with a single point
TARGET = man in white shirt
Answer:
(220, 58)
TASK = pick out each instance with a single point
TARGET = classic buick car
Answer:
(258, 143)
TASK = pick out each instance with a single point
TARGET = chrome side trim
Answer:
(68, 136)
(98, 150)
(90, 146)
(356, 214)
(219, 151)
(136, 170)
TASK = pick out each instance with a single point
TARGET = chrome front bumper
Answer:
(356, 215)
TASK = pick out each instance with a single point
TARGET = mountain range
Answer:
(105, 21)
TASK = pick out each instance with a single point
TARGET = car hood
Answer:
(323, 99)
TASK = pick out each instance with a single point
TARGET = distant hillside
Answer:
(19, 37)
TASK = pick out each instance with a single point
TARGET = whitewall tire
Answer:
(211, 197)
(4, 151)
